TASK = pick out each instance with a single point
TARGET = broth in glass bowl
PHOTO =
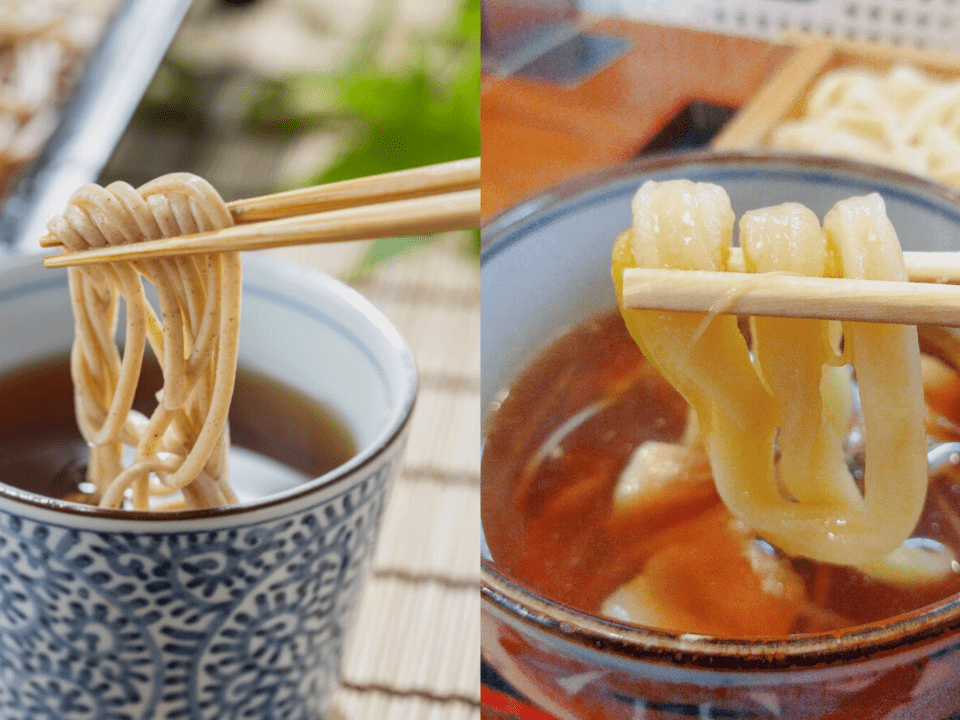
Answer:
(569, 399)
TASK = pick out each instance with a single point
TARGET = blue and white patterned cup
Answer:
(238, 612)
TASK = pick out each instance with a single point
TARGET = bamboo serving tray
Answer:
(782, 96)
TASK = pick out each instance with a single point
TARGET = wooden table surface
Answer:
(536, 135)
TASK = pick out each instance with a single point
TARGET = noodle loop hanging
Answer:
(182, 446)
(774, 415)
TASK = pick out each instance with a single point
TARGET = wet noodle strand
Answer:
(182, 446)
(786, 388)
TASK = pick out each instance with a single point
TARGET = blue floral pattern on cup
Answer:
(240, 621)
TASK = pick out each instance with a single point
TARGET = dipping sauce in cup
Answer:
(239, 611)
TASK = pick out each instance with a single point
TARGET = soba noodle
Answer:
(44, 46)
(182, 447)
(787, 393)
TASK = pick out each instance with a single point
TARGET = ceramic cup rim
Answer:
(503, 595)
(320, 285)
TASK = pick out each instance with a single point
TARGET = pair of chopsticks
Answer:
(429, 199)
(925, 300)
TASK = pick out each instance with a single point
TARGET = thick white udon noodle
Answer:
(806, 502)
(182, 447)
(902, 117)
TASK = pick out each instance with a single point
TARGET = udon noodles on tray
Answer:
(182, 447)
(902, 118)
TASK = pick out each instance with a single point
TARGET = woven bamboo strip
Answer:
(443, 265)
(445, 336)
(379, 606)
(461, 614)
(445, 432)
(419, 653)
(352, 704)
(417, 638)
(428, 530)
(421, 656)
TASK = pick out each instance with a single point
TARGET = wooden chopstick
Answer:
(925, 267)
(402, 184)
(434, 213)
(782, 295)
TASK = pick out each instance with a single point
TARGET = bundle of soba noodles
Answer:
(774, 415)
(182, 446)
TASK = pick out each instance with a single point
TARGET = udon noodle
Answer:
(902, 118)
(774, 412)
(182, 446)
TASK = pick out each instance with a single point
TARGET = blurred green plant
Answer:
(173, 98)
(426, 112)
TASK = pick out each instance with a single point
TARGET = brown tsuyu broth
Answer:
(553, 452)
(41, 449)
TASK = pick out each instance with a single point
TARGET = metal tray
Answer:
(115, 76)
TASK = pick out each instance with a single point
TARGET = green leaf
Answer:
(296, 104)
(427, 112)
(466, 28)
(474, 244)
(171, 98)
(390, 100)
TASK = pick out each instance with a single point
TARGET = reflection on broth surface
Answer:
(288, 437)
(554, 453)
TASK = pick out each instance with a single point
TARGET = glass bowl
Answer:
(545, 266)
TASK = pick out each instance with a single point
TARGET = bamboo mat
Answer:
(415, 650)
